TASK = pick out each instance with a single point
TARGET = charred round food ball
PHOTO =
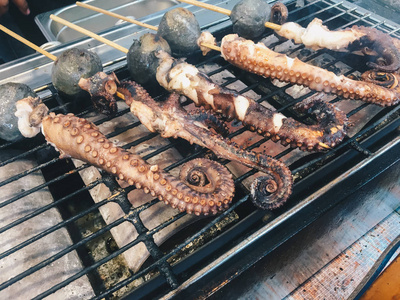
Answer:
(10, 93)
(141, 59)
(249, 16)
(72, 65)
(181, 30)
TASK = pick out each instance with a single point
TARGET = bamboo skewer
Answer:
(44, 52)
(91, 7)
(111, 14)
(118, 47)
(28, 43)
(89, 33)
(224, 11)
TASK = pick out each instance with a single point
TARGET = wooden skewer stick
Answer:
(225, 11)
(118, 47)
(211, 46)
(88, 33)
(111, 14)
(28, 43)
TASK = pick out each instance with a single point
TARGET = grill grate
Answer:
(161, 274)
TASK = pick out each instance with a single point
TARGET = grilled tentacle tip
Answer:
(209, 177)
(274, 188)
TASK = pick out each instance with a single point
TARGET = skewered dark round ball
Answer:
(181, 30)
(249, 16)
(10, 93)
(72, 65)
(141, 59)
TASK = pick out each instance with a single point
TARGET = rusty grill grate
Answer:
(178, 263)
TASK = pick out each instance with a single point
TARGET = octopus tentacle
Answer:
(171, 120)
(370, 41)
(186, 79)
(101, 88)
(202, 174)
(78, 138)
(258, 59)
(210, 119)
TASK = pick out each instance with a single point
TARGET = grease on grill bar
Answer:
(87, 220)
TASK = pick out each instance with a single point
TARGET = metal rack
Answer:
(321, 180)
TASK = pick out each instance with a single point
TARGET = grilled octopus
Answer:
(171, 120)
(205, 187)
(181, 77)
(376, 87)
(370, 41)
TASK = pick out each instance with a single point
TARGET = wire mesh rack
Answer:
(99, 223)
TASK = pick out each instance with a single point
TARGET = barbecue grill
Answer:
(86, 208)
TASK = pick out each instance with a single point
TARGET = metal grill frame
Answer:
(369, 153)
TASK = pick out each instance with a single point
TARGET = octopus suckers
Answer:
(67, 124)
(101, 140)
(101, 161)
(56, 120)
(121, 177)
(106, 145)
(95, 153)
(74, 131)
(125, 157)
(142, 168)
(130, 181)
(163, 181)
(94, 134)
(113, 150)
(88, 148)
(134, 162)
(154, 168)
(79, 139)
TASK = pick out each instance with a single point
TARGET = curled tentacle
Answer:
(171, 120)
(253, 115)
(204, 175)
(387, 80)
(102, 89)
(379, 45)
(258, 59)
(78, 138)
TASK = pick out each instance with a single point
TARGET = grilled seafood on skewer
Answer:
(370, 41)
(181, 77)
(78, 138)
(259, 59)
(171, 120)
